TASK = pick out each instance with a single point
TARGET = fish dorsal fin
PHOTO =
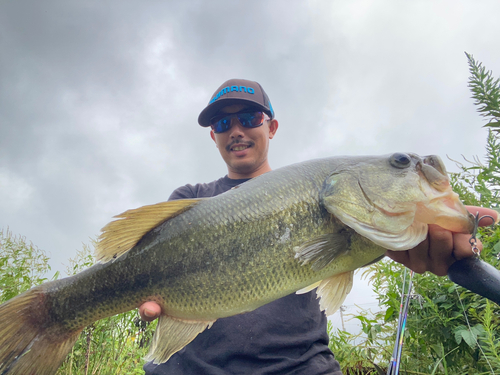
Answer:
(119, 236)
(322, 250)
(333, 291)
(172, 335)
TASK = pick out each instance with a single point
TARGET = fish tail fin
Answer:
(29, 342)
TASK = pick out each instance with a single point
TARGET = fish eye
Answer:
(400, 160)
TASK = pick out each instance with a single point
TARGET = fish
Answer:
(295, 229)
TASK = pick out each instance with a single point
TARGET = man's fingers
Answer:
(398, 256)
(149, 311)
(441, 250)
(463, 248)
(483, 211)
(414, 259)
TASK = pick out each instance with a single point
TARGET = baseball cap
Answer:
(236, 91)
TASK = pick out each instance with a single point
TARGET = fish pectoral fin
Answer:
(307, 289)
(333, 291)
(172, 335)
(119, 236)
(322, 250)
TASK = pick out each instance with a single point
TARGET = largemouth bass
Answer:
(306, 226)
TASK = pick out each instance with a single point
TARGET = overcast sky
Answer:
(99, 100)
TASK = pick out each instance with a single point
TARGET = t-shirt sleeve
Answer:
(183, 192)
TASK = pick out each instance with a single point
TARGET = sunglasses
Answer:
(248, 119)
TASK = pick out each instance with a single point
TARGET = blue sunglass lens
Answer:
(251, 120)
(223, 125)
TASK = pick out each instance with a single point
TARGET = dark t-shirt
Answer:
(286, 336)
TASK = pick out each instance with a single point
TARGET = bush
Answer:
(22, 265)
(115, 345)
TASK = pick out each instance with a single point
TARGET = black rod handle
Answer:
(477, 276)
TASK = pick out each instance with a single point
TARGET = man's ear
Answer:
(212, 135)
(273, 127)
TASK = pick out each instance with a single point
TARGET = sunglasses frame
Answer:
(232, 115)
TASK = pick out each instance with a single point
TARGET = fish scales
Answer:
(208, 257)
(217, 257)
(242, 262)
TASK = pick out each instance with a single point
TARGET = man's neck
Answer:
(238, 175)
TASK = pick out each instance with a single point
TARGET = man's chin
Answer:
(243, 167)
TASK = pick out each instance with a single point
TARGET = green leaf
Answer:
(438, 349)
(497, 247)
(440, 299)
(479, 330)
(470, 338)
(389, 313)
(459, 333)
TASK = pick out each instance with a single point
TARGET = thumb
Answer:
(149, 311)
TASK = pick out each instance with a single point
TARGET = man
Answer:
(287, 336)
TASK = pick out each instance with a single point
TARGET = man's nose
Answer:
(236, 129)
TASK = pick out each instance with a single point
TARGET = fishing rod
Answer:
(404, 306)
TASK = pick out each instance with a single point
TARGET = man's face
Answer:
(245, 149)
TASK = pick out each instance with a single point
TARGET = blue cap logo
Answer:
(227, 90)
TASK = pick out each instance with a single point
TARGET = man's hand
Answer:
(442, 248)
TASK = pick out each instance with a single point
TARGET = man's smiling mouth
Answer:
(238, 146)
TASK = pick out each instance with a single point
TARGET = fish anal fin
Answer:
(172, 335)
(323, 249)
(333, 291)
(120, 235)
